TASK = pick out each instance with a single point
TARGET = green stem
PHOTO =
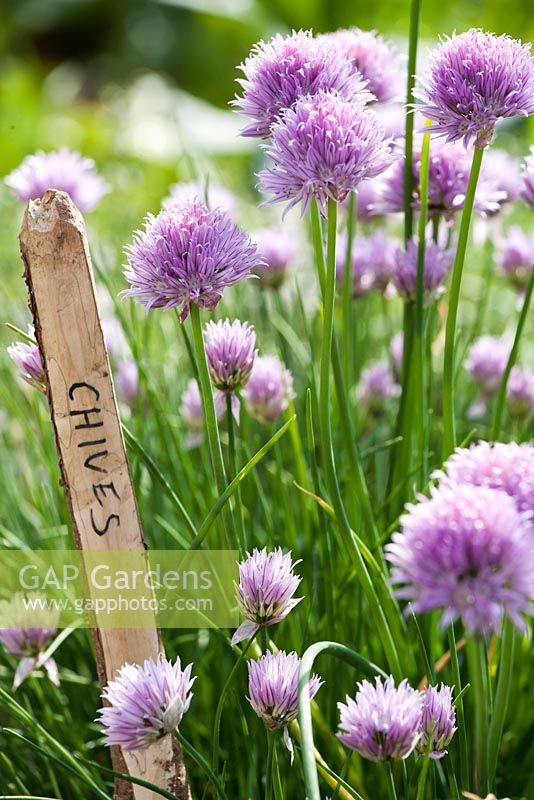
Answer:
(208, 405)
(232, 463)
(421, 784)
(269, 767)
(502, 695)
(511, 360)
(460, 714)
(415, 15)
(391, 782)
(476, 652)
(202, 763)
(449, 428)
(360, 486)
(328, 450)
(220, 705)
(347, 292)
(421, 417)
(277, 783)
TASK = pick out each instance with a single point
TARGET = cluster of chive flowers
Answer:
(385, 722)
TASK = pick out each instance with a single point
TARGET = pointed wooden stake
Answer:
(90, 446)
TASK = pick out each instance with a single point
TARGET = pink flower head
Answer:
(193, 413)
(382, 722)
(273, 690)
(486, 362)
(437, 264)
(507, 467)
(284, 69)
(61, 169)
(231, 353)
(376, 387)
(267, 583)
(516, 256)
(145, 702)
(372, 261)
(520, 393)
(269, 389)
(27, 357)
(527, 189)
(187, 254)
(324, 147)
(374, 58)
(439, 717)
(279, 249)
(466, 551)
(473, 80)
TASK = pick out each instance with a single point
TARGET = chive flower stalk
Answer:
(473, 80)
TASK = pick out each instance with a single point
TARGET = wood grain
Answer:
(92, 456)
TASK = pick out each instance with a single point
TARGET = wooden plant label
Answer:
(92, 457)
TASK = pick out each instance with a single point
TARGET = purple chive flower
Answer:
(273, 690)
(506, 467)
(211, 194)
(527, 175)
(396, 350)
(371, 262)
(193, 413)
(486, 362)
(269, 389)
(127, 380)
(473, 80)
(383, 722)
(230, 351)
(61, 169)
(376, 387)
(449, 167)
(467, 551)
(500, 173)
(278, 248)
(28, 359)
(279, 72)
(145, 703)
(520, 393)
(516, 256)
(375, 59)
(28, 644)
(438, 262)
(186, 255)
(439, 717)
(324, 147)
(267, 583)
(114, 337)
